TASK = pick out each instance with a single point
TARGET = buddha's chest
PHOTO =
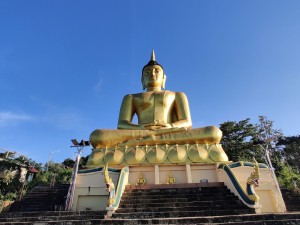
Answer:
(154, 101)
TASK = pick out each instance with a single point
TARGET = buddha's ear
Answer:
(163, 84)
(143, 84)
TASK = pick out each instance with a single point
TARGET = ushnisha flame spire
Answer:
(152, 56)
(152, 61)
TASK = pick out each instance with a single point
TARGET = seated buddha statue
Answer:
(163, 117)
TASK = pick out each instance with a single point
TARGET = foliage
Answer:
(266, 131)
(9, 182)
(83, 161)
(52, 173)
(289, 177)
(70, 162)
(56, 173)
(236, 139)
(10, 185)
(243, 140)
(269, 138)
(291, 150)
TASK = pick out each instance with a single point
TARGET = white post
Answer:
(156, 173)
(188, 173)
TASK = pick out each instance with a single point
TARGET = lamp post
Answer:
(79, 145)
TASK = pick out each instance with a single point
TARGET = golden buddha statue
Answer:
(163, 119)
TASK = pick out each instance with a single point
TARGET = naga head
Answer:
(254, 177)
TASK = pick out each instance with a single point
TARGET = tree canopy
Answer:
(243, 141)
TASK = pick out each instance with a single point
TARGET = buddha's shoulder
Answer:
(175, 93)
(165, 92)
(129, 97)
(133, 95)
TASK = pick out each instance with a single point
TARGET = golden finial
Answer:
(152, 56)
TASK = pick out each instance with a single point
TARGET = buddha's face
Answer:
(153, 76)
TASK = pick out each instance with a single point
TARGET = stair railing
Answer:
(122, 182)
(248, 197)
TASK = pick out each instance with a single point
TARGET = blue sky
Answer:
(66, 65)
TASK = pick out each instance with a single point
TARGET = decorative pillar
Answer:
(156, 173)
(188, 173)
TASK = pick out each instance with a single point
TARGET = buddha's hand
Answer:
(156, 126)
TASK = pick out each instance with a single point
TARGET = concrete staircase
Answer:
(51, 217)
(291, 199)
(201, 204)
(186, 200)
(42, 198)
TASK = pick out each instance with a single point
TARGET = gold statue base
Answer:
(157, 154)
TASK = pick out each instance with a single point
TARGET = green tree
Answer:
(236, 139)
(68, 163)
(10, 185)
(9, 180)
(56, 173)
(289, 177)
(268, 137)
(290, 150)
(83, 161)
(243, 140)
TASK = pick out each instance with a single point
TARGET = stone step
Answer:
(179, 202)
(46, 193)
(186, 204)
(267, 222)
(293, 208)
(50, 213)
(179, 208)
(41, 202)
(261, 219)
(228, 200)
(50, 218)
(178, 194)
(218, 203)
(184, 190)
(97, 222)
(87, 217)
(291, 199)
(177, 186)
(42, 198)
(172, 214)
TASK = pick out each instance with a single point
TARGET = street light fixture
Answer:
(82, 143)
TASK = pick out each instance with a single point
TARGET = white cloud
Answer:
(98, 85)
(68, 120)
(8, 118)
(65, 119)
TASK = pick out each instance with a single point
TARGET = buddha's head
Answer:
(153, 74)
